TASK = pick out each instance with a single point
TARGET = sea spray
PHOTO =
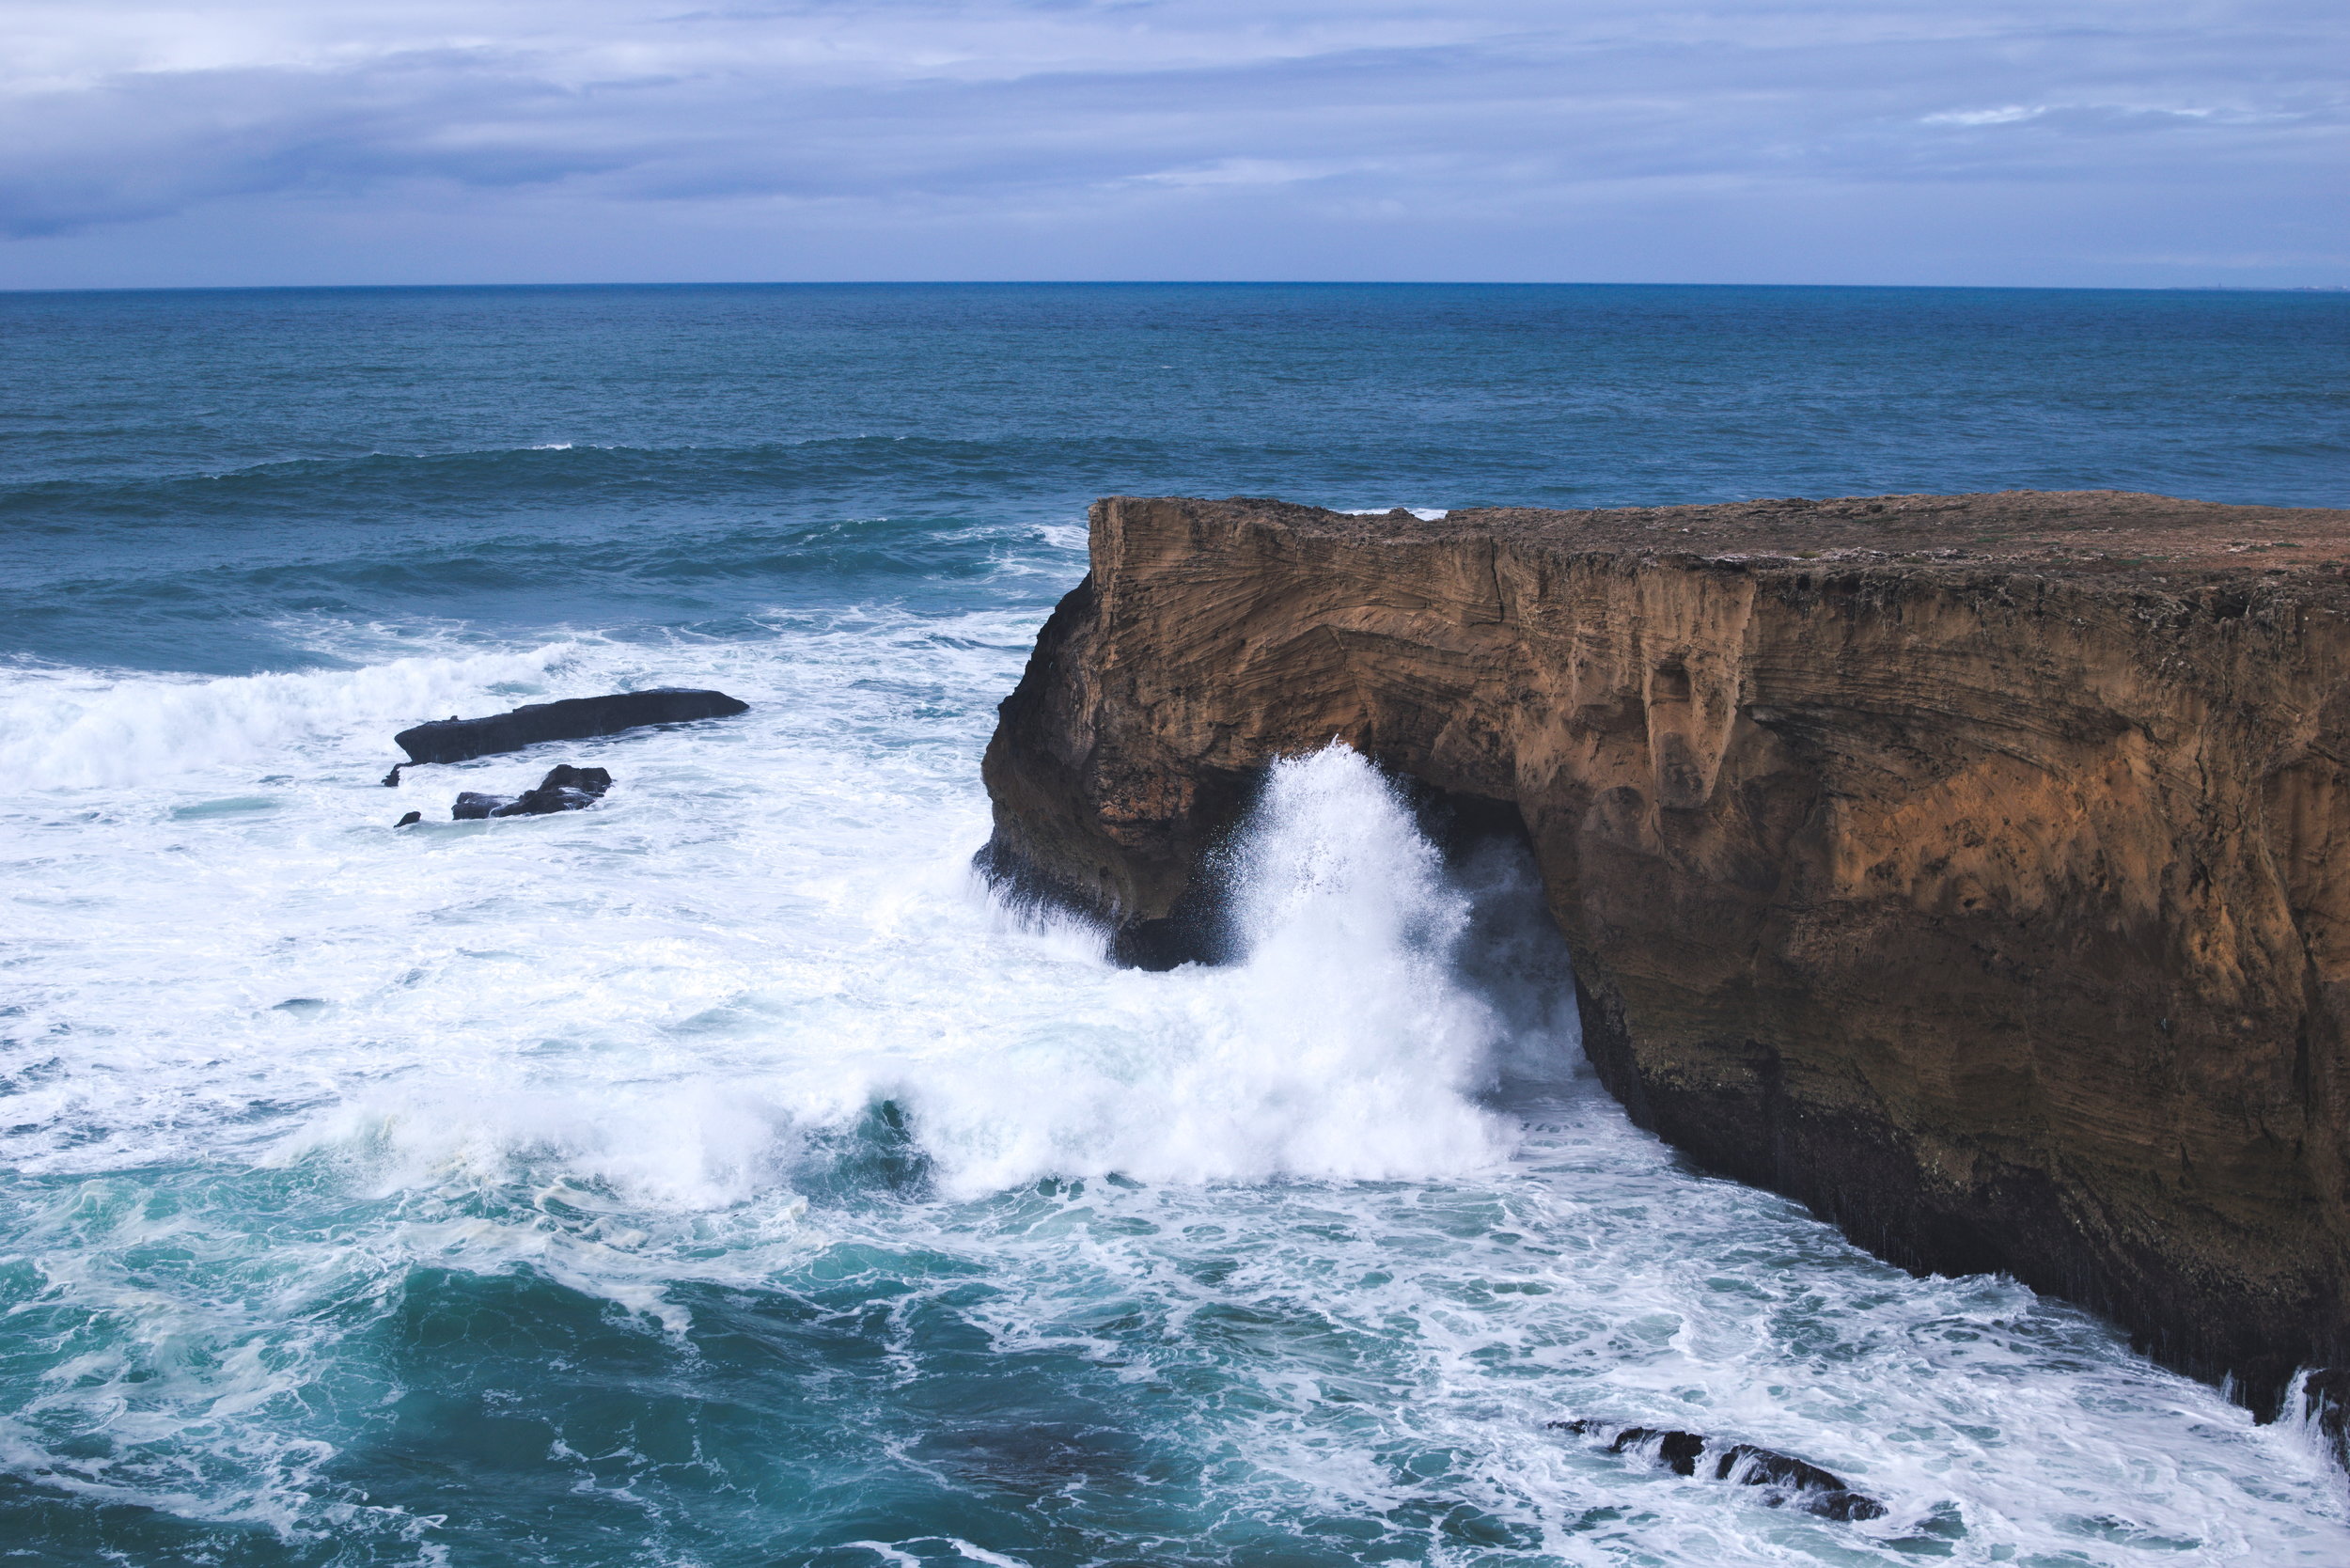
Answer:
(1343, 1044)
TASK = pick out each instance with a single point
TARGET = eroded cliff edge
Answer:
(1974, 869)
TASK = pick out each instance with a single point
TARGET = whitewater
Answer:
(723, 1175)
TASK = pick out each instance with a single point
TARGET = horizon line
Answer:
(1172, 283)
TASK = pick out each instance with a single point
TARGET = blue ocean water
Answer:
(717, 1176)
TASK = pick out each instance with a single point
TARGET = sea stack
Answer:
(1974, 869)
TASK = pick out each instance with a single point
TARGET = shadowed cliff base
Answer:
(1974, 869)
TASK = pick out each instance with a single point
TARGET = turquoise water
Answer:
(717, 1176)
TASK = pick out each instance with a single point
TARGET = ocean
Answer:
(719, 1176)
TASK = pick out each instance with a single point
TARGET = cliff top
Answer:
(2073, 533)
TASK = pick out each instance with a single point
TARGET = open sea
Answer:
(718, 1178)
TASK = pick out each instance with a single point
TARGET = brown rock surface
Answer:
(1974, 869)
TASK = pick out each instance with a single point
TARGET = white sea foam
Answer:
(1341, 1046)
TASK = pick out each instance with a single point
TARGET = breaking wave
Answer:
(62, 729)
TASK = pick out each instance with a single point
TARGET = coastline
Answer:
(1965, 868)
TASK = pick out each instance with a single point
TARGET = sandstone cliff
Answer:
(1974, 869)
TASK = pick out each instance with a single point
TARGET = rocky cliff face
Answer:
(1975, 868)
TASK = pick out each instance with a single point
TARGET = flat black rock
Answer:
(564, 789)
(455, 739)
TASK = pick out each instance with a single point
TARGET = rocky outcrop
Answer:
(456, 740)
(564, 789)
(1974, 869)
(1786, 1481)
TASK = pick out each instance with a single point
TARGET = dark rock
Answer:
(1789, 1481)
(564, 789)
(391, 779)
(455, 739)
(1678, 1452)
(410, 819)
(1845, 1507)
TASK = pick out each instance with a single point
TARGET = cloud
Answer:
(2011, 114)
(1254, 171)
(131, 118)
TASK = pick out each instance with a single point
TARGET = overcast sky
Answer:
(1835, 141)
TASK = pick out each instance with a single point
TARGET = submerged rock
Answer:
(564, 789)
(455, 739)
(1788, 1482)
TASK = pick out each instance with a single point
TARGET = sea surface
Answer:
(718, 1177)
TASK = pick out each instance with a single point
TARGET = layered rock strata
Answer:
(1974, 869)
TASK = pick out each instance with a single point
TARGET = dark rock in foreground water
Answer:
(1789, 1481)
(564, 789)
(455, 739)
(411, 820)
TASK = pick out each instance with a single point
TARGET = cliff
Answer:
(1974, 869)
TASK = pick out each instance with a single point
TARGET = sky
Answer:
(2137, 143)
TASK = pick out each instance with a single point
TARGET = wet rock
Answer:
(564, 789)
(455, 739)
(391, 779)
(411, 820)
(1788, 1482)
(2325, 1399)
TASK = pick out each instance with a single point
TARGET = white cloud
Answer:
(2007, 116)
(1250, 171)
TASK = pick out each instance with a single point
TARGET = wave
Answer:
(565, 474)
(882, 546)
(81, 728)
(222, 606)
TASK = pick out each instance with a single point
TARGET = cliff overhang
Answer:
(1974, 869)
